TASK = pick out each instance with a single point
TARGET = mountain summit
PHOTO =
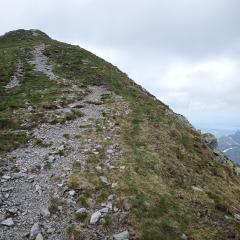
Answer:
(22, 33)
(86, 153)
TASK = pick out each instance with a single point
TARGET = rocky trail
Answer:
(36, 199)
(16, 78)
(40, 62)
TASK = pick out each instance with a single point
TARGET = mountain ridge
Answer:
(101, 157)
(230, 145)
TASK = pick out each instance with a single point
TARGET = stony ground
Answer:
(16, 78)
(40, 62)
(36, 199)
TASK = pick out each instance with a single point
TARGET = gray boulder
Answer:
(210, 140)
(7, 222)
(121, 236)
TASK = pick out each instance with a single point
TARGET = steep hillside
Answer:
(88, 154)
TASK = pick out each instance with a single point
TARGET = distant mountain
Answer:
(219, 132)
(230, 146)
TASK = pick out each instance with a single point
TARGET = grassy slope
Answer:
(164, 157)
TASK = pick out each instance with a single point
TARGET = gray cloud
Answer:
(186, 52)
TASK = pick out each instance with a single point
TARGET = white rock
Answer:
(95, 217)
(104, 210)
(6, 177)
(51, 230)
(71, 193)
(121, 236)
(115, 209)
(12, 210)
(110, 151)
(99, 168)
(61, 148)
(237, 216)
(39, 237)
(197, 189)
(109, 205)
(115, 184)
(45, 212)
(122, 168)
(7, 222)
(184, 237)
(81, 210)
(110, 197)
(104, 179)
(51, 158)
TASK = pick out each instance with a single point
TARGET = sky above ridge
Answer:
(185, 52)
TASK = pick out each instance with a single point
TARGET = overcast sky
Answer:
(185, 52)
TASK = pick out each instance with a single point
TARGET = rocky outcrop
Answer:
(210, 140)
(16, 79)
(40, 62)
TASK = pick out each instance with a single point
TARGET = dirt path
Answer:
(37, 175)
(40, 62)
(16, 78)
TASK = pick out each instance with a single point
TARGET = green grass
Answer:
(163, 156)
(10, 140)
(73, 232)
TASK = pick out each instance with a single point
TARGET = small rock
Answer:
(60, 208)
(104, 210)
(197, 189)
(45, 212)
(184, 237)
(39, 237)
(104, 180)
(19, 175)
(109, 205)
(115, 209)
(6, 195)
(237, 216)
(35, 230)
(81, 210)
(95, 217)
(38, 189)
(122, 167)
(115, 184)
(6, 177)
(110, 151)
(67, 169)
(110, 197)
(61, 148)
(31, 179)
(51, 230)
(51, 159)
(71, 193)
(12, 210)
(121, 236)
(99, 168)
(7, 189)
(7, 222)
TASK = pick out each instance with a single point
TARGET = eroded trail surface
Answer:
(16, 78)
(40, 62)
(36, 197)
